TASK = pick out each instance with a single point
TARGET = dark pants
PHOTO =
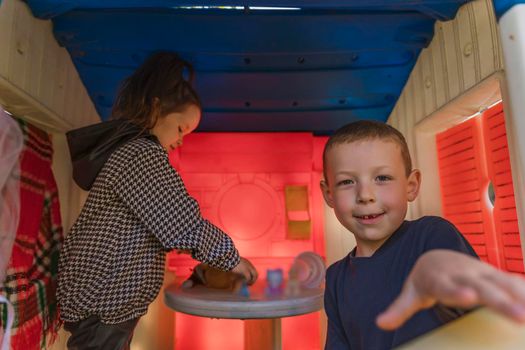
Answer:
(92, 334)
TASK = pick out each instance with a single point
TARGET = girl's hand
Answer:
(456, 280)
(247, 270)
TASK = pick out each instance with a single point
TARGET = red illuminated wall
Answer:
(239, 181)
(472, 155)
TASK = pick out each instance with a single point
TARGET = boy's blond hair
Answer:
(368, 130)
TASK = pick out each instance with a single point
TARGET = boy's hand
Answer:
(247, 270)
(456, 280)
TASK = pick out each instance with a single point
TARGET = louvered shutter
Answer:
(504, 213)
(463, 175)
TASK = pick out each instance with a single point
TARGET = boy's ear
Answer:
(327, 194)
(413, 184)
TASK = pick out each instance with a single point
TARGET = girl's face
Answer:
(171, 128)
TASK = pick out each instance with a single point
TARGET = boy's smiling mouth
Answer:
(369, 218)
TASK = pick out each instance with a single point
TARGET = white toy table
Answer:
(205, 302)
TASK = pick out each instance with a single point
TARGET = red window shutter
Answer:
(498, 161)
(463, 175)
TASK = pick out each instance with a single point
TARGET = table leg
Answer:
(264, 334)
(277, 341)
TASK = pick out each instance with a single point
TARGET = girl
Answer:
(112, 263)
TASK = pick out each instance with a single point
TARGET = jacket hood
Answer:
(91, 146)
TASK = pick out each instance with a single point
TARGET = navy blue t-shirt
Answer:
(360, 288)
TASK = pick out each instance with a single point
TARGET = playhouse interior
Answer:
(276, 78)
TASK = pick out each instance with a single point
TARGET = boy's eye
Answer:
(345, 182)
(383, 178)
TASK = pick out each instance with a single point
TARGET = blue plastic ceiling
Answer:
(502, 6)
(312, 68)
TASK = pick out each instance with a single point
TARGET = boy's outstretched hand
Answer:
(456, 280)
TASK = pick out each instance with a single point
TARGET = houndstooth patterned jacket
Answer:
(112, 261)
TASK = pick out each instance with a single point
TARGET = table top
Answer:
(214, 303)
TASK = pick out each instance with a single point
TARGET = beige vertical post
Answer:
(512, 30)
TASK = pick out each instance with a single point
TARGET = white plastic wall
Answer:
(39, 83)
(453, 79)
(512, 25)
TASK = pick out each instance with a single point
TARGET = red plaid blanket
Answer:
(31, 277)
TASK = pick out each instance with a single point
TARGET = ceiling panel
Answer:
(310, 68)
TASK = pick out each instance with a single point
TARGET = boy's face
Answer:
(368, 189)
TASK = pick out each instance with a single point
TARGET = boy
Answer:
(369, 181)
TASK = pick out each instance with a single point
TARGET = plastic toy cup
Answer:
(309, 269)
(274, 279)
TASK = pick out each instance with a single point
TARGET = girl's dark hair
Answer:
(158, 87)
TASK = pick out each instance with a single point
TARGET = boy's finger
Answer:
(405, 305)
(452, 293)
(412, 300)
(499, 298)
(513, 284)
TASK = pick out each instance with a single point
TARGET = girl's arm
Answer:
(155, 193)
